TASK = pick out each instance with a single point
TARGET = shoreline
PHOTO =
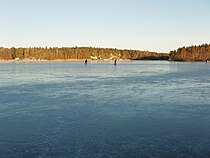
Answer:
(59, 60)
(89, 60)
(32, 60)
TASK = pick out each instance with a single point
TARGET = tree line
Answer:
(66, 53)
(192, 53)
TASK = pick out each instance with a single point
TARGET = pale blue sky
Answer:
(155, 25)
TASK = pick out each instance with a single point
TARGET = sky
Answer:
(153, 25)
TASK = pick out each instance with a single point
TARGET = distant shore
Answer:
(199, 53)
(83, 60)
(33, 60)
(61, 60)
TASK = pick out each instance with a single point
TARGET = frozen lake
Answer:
(135, 109)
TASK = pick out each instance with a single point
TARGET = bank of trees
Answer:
(65, 53)
(192, 53)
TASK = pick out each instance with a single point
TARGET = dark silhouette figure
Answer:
(86, 62)
(115, 62)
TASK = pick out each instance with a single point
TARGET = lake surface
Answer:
(135, 109)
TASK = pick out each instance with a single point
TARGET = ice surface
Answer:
(135, 109)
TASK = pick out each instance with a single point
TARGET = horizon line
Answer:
(101, 47)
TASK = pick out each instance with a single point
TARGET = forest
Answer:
(65, 53)
(192, 53)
